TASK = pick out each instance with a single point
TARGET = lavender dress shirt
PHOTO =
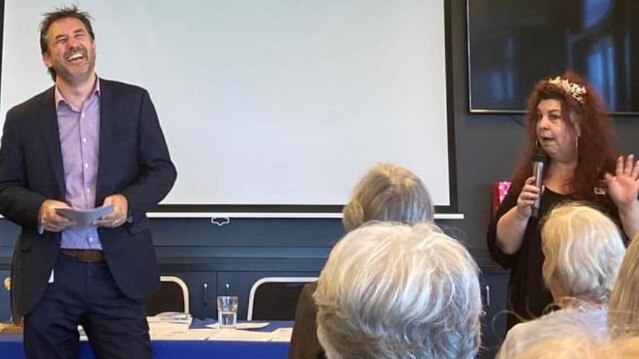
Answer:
(79, 130)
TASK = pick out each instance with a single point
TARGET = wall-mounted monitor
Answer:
(514, 43)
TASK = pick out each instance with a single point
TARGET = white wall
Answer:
(268, 101)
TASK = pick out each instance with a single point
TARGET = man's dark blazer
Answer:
(133, 161)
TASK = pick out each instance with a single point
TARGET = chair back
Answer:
(173, 296)
(275, 298)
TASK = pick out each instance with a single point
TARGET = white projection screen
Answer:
(269, 105)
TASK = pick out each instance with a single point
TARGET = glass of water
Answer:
(227, 311)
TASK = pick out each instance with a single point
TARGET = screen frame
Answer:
(331, 210)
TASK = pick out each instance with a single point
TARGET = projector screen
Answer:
(269, 105)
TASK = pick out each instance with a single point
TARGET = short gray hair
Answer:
(388, 193)
(390, 290)
(583, 250)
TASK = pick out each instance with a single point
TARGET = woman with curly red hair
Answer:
(567, 120)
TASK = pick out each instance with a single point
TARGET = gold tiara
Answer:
(576, 91)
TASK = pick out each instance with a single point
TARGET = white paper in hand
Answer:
(84, 218)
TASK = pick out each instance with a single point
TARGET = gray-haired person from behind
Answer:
(583, 250)
(387, 192)
(391, 291)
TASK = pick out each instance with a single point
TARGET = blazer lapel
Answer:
(107, 121)
(52, 137)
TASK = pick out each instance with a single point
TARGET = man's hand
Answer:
(120, 211)
(49, 219)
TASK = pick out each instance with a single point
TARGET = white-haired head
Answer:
(390, 290)
(583, 250)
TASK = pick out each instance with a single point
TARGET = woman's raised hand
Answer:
(623, 187)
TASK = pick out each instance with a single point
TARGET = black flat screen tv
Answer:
(514, 43)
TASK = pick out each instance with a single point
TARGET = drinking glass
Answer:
(227, 311)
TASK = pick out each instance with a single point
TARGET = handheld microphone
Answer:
(538, 172)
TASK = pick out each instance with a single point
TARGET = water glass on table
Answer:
(227, 311)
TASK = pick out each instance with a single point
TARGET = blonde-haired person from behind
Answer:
(393, 291)
(583, 250)
(387, 192)
(623, 312)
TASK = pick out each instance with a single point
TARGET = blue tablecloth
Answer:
(11, 347)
